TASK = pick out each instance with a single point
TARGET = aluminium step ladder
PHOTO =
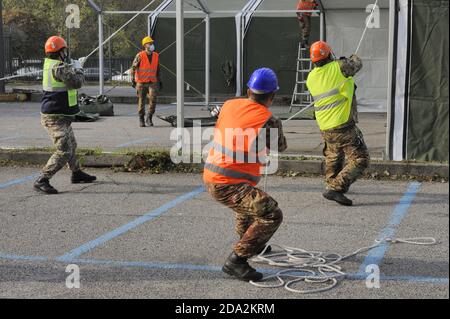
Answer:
(301, 97)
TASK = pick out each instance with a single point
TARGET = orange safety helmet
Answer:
(319, 50)
(55, 44)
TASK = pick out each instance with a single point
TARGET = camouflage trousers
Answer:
(339, 145)
(147, 91)
(305, 27)
(60, 131)
(257, 215)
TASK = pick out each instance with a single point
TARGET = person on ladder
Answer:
(332, 87)
(304, 19)
(146, 78)
(233, 169)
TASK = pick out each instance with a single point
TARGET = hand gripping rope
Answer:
(314, 267)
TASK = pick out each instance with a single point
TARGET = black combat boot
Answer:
(141, 121)
(149, 120)
(337, 197)
(238, 267)
(42, 184)
(82, 177)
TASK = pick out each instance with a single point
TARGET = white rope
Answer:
(120, 29)
(315, 267)
(301, 111)
(367, 25)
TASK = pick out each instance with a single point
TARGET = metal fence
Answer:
(31, 69)
(7, 51)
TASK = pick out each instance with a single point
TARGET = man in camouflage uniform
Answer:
(146, 88)
(257, 213)
(58, 109)
(344, 140)
(304, 20)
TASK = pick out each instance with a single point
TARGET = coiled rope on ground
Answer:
(315, 267)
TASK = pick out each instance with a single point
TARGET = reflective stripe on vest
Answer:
(147, 72)
(232, 174)
(233, 157)
(333, 95)
(50, 84)
(239, 157)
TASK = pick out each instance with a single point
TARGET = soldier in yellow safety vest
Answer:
(332, 86)
(58, 110)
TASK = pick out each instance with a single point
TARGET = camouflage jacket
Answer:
(349, 67)
(73, 79)
(137, 61)
(276, 123)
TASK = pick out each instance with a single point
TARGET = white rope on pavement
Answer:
(315, 267)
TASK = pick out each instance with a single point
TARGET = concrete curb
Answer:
(378, 168)
(315, 167)
(41, 158)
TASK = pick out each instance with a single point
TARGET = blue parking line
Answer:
(208, 268)
(125, 228)
(18, 181)
(18, 258)
(418, 279)
(376, 255)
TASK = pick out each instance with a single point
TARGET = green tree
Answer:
(32, 22)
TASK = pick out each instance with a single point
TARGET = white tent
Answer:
(384, 50)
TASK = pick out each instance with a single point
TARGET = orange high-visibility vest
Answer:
(234, 157)
(147, 72)
(305, 5)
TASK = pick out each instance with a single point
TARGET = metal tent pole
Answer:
(100, 55)
(180, 71)
(207, 60)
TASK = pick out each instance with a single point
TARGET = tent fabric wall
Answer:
(343, 32)
(273, 42)
(223, 48)
(428, 122)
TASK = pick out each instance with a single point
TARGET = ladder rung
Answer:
(303, 59)
(301, 82)
(304, 71)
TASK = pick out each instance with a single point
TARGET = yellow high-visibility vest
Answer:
(333, 95)
(50, 84)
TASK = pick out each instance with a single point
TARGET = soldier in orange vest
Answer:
(145, 75)
(233, 169)
(304, 19)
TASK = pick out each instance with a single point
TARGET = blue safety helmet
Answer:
(263, 81)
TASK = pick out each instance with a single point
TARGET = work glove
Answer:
(82, 60)
(215, 111)
(354, 57)
(76, 64)
(133, 84)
